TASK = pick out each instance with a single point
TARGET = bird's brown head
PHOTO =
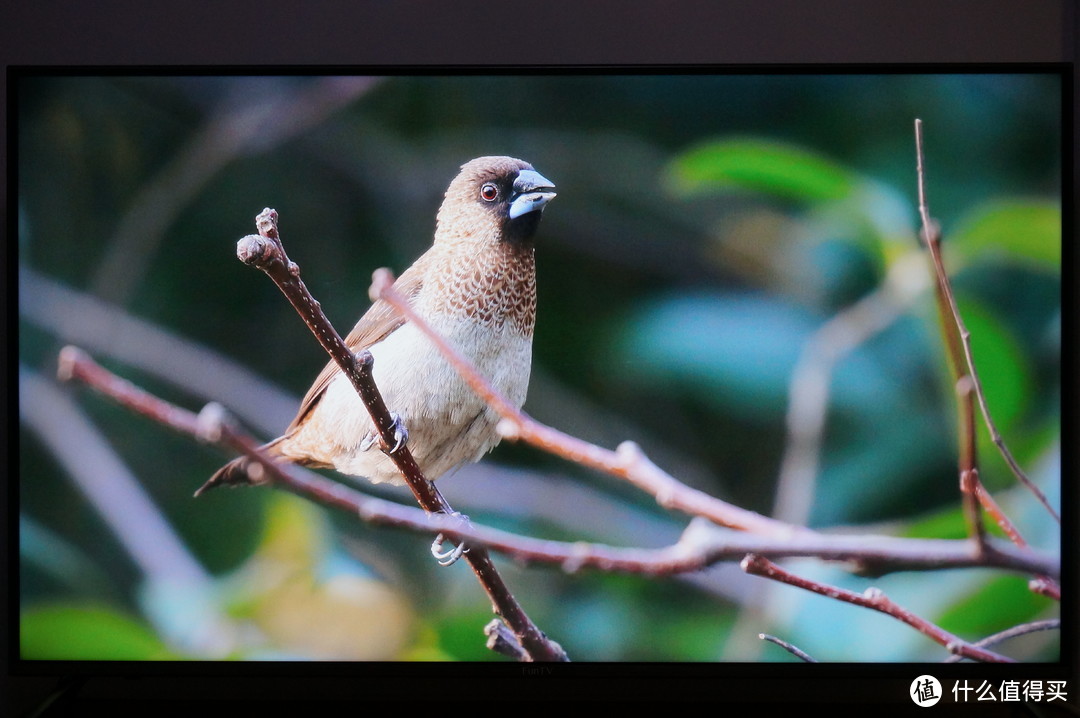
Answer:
(494, 199)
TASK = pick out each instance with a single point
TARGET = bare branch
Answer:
(793, 650)
(502, 641)
(1021, 630)
(700, 546)
(875, 599)
(956, 328)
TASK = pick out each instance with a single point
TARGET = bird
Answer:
(476, 286)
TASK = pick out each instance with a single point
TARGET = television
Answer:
(761, 432)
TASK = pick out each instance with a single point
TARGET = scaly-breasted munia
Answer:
(476, 286)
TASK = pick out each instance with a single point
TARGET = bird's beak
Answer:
(531, 192)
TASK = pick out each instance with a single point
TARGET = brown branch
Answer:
(958, 336)
(500, 640)
(702, 545)
(877, 600)
(630, 463)
(961, 361)
(1045, 586)
(266, 252)
(963, 383)
(968, 460)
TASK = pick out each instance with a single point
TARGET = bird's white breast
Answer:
(448, 423)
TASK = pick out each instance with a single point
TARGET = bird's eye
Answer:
(489, 192)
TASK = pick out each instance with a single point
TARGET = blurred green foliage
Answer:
(706, 226)
(762, 166)
(87, 632)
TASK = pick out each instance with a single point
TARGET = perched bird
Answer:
(476, 286)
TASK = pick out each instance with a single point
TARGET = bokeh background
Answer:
(707, 227)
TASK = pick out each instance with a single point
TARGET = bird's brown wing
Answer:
(378, 321)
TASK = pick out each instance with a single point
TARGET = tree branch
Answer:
(1022, 630)
(958, 338)
(877, 600)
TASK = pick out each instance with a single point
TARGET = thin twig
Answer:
(1045, 586)
(1021, 630)
(500, 640)
(968, 461)
(793, 650)
(872, 598)
(963, 383)
(932, 236)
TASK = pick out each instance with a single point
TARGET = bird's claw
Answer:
(369, 440)
(448, 558)
(401, 436)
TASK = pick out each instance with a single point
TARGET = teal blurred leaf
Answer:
(86, 632)
(761, 166)
(731, 350)
(738, 352)
(1019, 230)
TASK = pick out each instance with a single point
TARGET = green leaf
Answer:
(1025, 231)
(1003, 367)
(1004, 601)
(760, 166)
(945, 524)
(83, 632)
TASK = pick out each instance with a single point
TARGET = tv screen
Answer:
(791, 379)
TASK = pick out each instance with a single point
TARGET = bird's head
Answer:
(494, 199)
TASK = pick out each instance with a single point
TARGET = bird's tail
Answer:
(242, 471)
